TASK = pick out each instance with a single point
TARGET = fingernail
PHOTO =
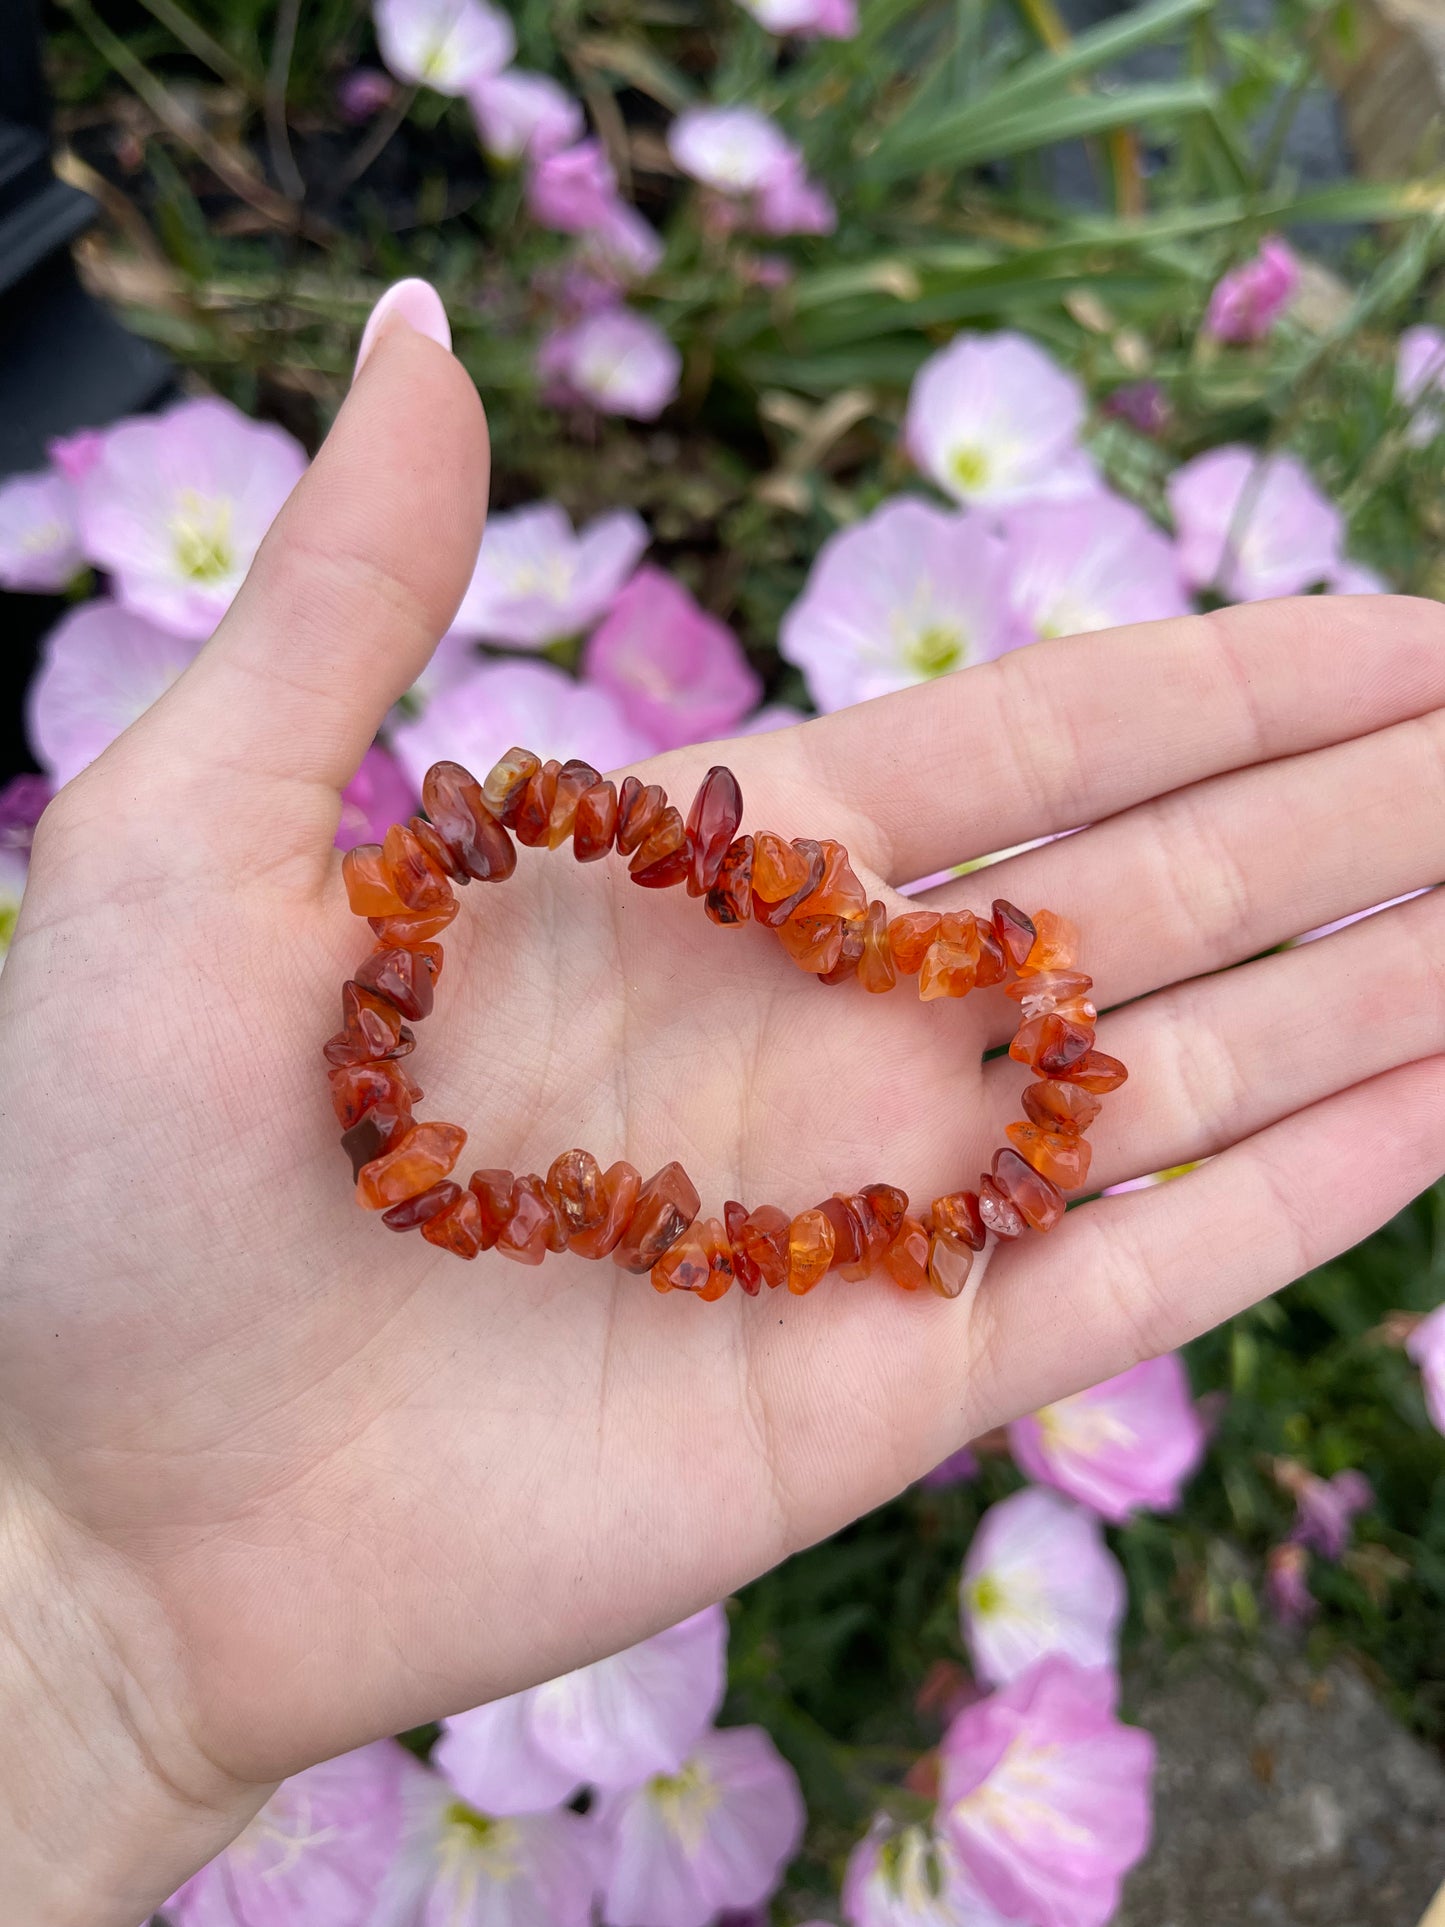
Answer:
(414, 303)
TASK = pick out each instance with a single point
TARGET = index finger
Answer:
(1061, 733)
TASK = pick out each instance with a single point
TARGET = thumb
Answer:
(357, 579)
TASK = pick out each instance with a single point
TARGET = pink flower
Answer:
(910, 593)
(519, 113)
(824, 19)
(1253, 526)
(39, 540)
(993, 418)
(1325, 1510)
(771, 716)
(376, 797)
(911, 1877)
(957, 1469)
(464, 1868)
(101, 667)
(502, 703)
(1354, 578)
(740, 152)
(1249, 299)
(1426, 1345)
(22, 801)
(717, 1834)
(1143, 404)
(679, 674)
(76, 455)
(1088, 564)
(1045, 1796)
(537, 582)
(1286, 1585)
(1127, 1444)
(1420, 382)
(1038, 1579)
(617, 360)
(575, 191)
(609, 1724)
(362, 94)
(445, 44)
(176, 506)
(322, 1851)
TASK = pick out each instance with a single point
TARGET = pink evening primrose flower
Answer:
(1253, 526)
(1426, 1346)
(617, 360)
(39, 540)
(538, 582)
(1038, 1579)
(1249, 299)
(1045, 1795)
(909, 593)
(74, 456)
(1126, 1445)
(1420, 383)
(379, 795)
(912, 1877)
(521, 113)
(361, 94)
(1325, 1510)
(447, 45)
(771, 716)
(609, 1724)
(323, 1850)
(1355, 578)
(574, 190)
(1286, 1585)
(176, 505)
(1088, 564)
(14, 864)
(993, 419)
(22, 802)
(715, 1835)
(808, 19)
(101, 666)
(465, 1868)
(480, 716)
(740, 152)
(679, 674)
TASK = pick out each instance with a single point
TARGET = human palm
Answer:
(312, 1482)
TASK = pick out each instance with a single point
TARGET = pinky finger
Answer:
(1129, 1277)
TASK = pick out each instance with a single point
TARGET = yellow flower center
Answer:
(201, 532)
(9, 915)
(985, 1594)
(487, 1847)
(934, 651)
(969, 468)
(683, 1801)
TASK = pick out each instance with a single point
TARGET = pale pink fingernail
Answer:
(416, 304)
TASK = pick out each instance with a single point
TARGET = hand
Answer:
(280, 1481)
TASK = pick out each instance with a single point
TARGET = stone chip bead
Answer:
(532, 1226)
(662, 858)
(458, 1228)
(1061, 1156)
(422, 1155)
(1057, 1106)
(666, 1206)
(1095, 1072)
(1000, 1214)
(574, 780)
(355, 1088)
(759, 1241)
(712, 823)
(730, 900)
(877, 970)
(961, 1217)
(783, 875)
(371, 1029)
(1051, 1045)
(415, 877)
(700, 1261)
(595, 830)
(1016, 932)
(405, 978)
(949, 1263)
(639, 805)
(1039, 1201)
(466, 824)
(810, 1250)
(951, 961)
(621, 1187)
(906, 1259)
(369, 888)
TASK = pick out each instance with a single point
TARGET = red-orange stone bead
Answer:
(458, 1229)
(1055, 945)
(574, 780)
(951, 961)
(1062, 1157)
(949, 1263)
(759, 1241)
(596, 827)
(438, 850)
(417, 880)
(1014, 930)
(1040, 1201)
(383, 1126)
(712, 823)
(700, 1261)
(369, 888)
(1096, 1072)
(574, 1184)
(850, 952)
(371, 1029)
(814, 943)
(413, 928)
(999, 1212)
(959, 1216)
(850, 1234)
(533, 1227)
(530, 816)
(414, 1212)
(837, 893)
(425, 1153)
(404, 977)
(492, 1190)
(810, 1250)
(783, 875)
(1060, 1106)
(1055, 993)
(621, 1185)
(909, 937)
(455, 802)
(356, 1087)
(906, 1259)
(506, 782)
(662, 859)
(639, 806)
(877, 970)
(730, 900)
(993, 965)
(1050, 1045)
(666, 1205)
(879, 1210)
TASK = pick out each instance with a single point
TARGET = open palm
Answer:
(307, 1482)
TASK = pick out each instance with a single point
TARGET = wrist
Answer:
(107, 1804)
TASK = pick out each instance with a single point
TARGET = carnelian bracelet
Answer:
(806, 892)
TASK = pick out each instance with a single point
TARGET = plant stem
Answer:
(278, 80)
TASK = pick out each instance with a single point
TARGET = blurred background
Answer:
(829, 346)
